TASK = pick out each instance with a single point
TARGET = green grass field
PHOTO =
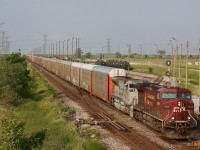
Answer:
(149, 66)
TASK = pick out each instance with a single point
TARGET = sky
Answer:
(142, 24)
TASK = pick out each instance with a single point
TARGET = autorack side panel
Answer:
(46, 63)
(67, 70)
(57, 66)
(86, 76)
(75, 73)
(100, 85)
(61, 69)
(53, 64)
(100, 82)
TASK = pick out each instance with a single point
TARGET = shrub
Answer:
(12, 136)
(15, 77)
(93, 145)
(150, 69)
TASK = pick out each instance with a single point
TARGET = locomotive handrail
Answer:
(192, 117)
(167, 117)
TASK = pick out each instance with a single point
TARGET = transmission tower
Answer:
(109, 47)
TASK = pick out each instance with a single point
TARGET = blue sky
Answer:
(134, 22)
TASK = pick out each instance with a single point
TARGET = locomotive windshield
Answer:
(168, 95)
(184, 95)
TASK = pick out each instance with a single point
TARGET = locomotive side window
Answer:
(184, 95)
(168, 95)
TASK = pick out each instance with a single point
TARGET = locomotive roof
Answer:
(161, 87)
(110, 70)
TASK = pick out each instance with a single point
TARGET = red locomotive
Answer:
(166, 109)
(169, 110)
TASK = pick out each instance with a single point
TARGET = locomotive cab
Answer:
(177, 109)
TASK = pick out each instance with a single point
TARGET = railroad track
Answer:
(95, 109)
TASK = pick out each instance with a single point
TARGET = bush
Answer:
(150, 69)
(93, 145)
(15, 78)
(12, 136)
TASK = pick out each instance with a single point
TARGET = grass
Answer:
(193, 76)
(44, 111)
(93, 145)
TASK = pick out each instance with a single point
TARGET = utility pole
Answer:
(56, 49)
(63, 49)
(175, 57)
(156, 45)
(129, 52)
(172, 56)
(186, 67)
(179, 71)
(141, 52)
(78, 45)
(45, 44)
(176, 54)
(52, 45)
(72, 47)
(49, 51)
(76, 53)
(59, 49)
(102, 52)
(3, 43)
(67, 47)
(199, 79)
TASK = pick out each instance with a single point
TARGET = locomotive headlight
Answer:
(189, 118)
(172, 118)
(179, 103)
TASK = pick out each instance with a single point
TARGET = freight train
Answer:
(169, 110)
